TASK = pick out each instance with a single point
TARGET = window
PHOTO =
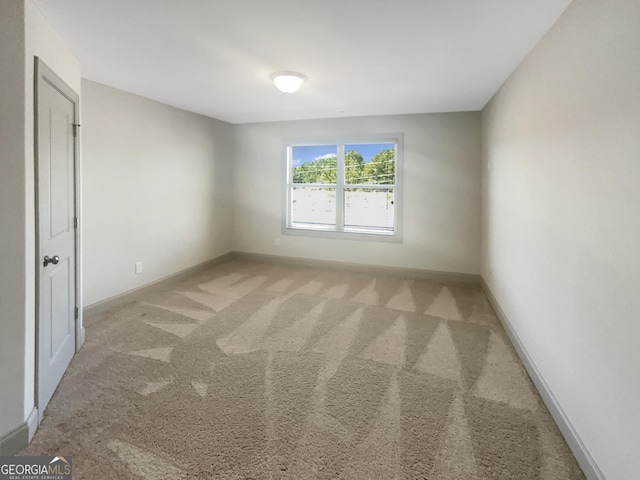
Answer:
(348, 188)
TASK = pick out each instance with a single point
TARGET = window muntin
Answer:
(346, 187)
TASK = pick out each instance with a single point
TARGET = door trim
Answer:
(44, 74)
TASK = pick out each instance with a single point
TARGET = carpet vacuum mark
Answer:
(257, 371)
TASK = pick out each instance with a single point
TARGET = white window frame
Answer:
(339, 231)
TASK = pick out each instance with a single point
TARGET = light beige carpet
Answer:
(258, 371)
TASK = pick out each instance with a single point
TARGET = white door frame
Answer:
(42, 73)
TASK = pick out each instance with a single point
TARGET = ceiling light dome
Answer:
(288, 82)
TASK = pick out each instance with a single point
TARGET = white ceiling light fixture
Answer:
(288, 82)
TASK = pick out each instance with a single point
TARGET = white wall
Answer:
(561, 225)
(12, 212)
(25, 33)
(156, 188)
(441, 191)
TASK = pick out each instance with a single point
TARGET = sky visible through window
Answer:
(309, 153)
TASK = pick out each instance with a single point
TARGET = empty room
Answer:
(320, 240)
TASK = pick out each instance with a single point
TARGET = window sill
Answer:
(328, 231)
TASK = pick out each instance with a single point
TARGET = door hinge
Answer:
(75, 129)
(75, 222)
(75, 313)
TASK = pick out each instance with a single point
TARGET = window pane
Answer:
(367, 207)
(313, 205)
(370, 163)
(314, 164)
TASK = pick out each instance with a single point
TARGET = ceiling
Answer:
(361, 57)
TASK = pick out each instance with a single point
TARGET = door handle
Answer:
(53, 260)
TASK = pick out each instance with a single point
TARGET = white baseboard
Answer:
(18, 438)
(432, 275)
(33, 422)
(81, 338)
(579, 449)
(132, 295)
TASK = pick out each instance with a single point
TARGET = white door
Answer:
(56, 106)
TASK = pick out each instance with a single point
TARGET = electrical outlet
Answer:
(277, 242)
(138, 267)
